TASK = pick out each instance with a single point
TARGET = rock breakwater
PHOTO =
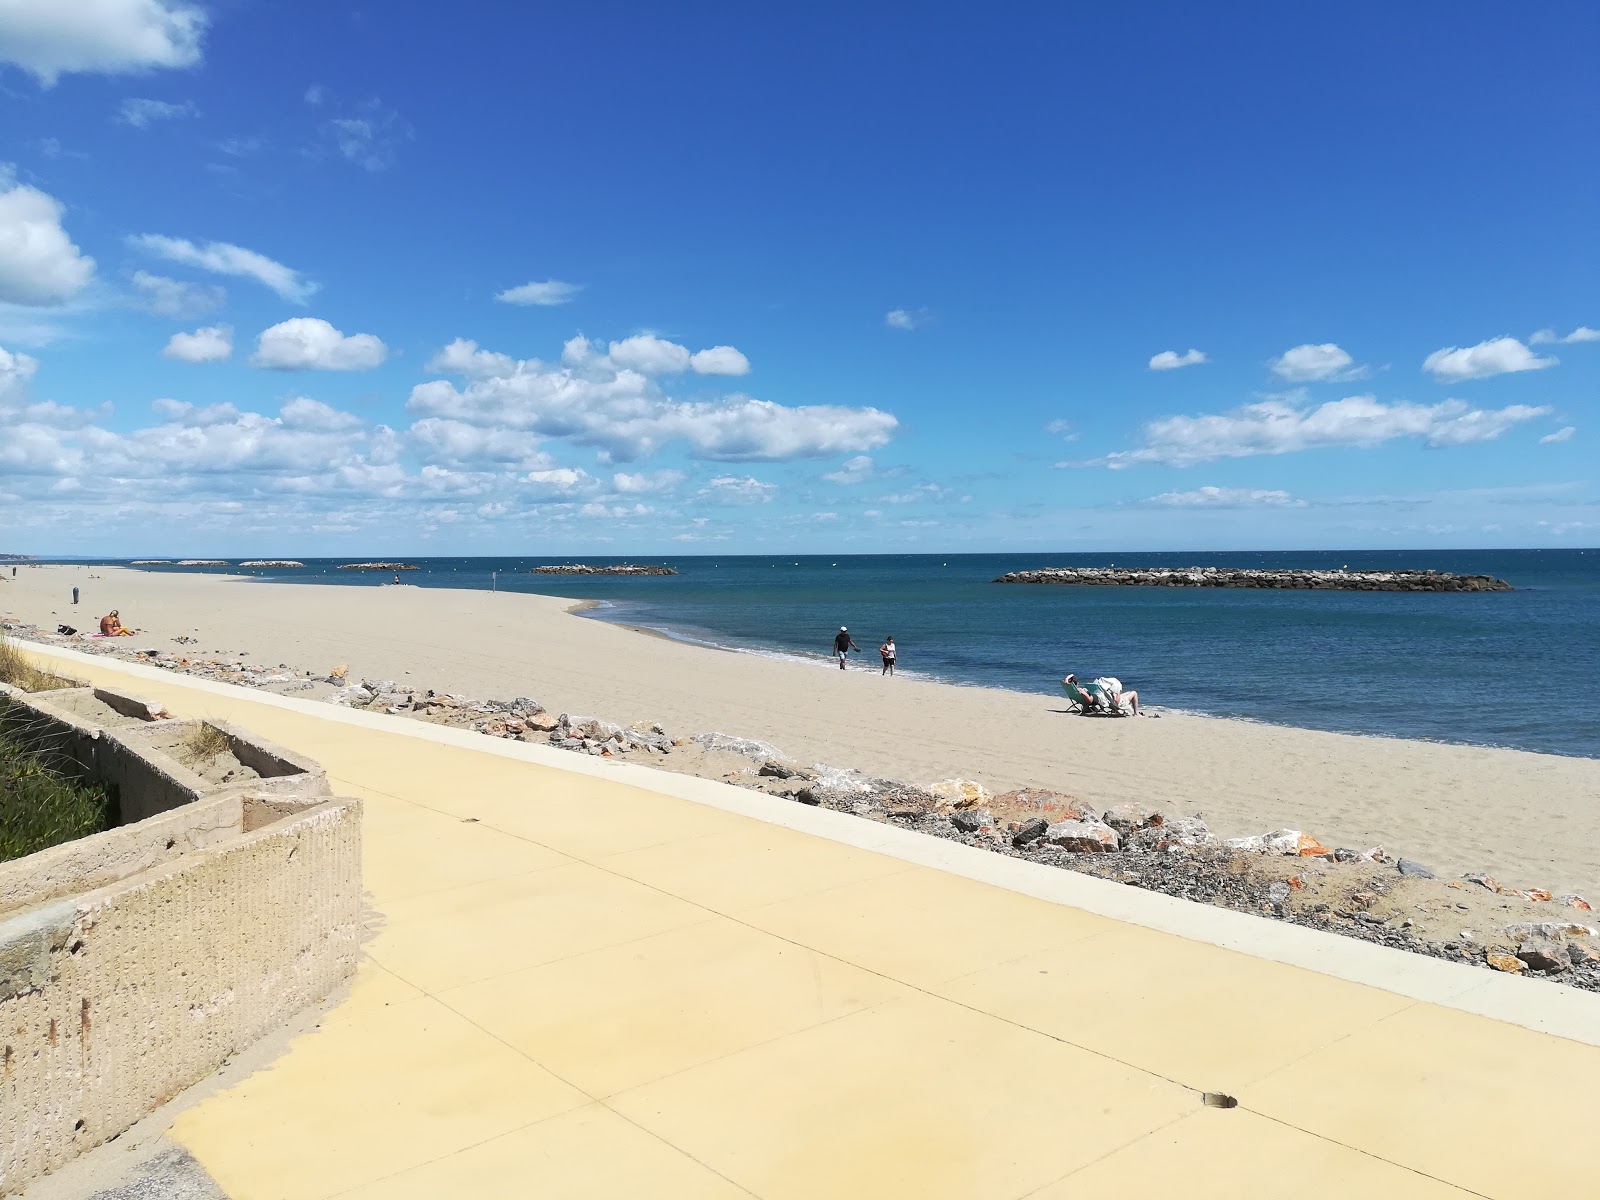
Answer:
(378, 566)
(584, 569)
(272, 562)
(1241, 577)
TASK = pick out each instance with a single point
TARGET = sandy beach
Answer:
(1533, 819)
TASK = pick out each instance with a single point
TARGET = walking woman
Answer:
(887, 650)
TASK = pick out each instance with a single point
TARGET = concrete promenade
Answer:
(585, 980)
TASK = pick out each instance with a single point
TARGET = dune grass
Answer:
(39, 806)
(17, 670)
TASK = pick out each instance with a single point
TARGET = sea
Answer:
(1518, 669)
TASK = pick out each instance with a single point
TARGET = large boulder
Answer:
(1130, 818)
(1083, 836)
(1174, 834)
(1279, 841)
(972, 820)
(1030, 831)
(1548, 958)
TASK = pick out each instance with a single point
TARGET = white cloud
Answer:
(1063, 430)
(1283, 426)
(906, 318)
(1308, 363)
(311, 344)
(1171, 360)
(369, 136)
(1565, 434)
(546, 293)
(1501, 356)
(855, 470)
(736, 490)
(172, 298)
(210, 344)
(140, 112)
(594, 399)
(315, 95)
(305, 413)
(15, 371)
(39, 265)
(222, 258)
(719, 360)
(463, 357)
(1221, 497)
(652, 355)
(1549, 337)
(561, 481)
(50, 38)
(457, 443)
(658, 481)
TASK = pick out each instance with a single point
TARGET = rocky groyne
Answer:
(379, 566)
(201, 562)
(584, 569)
(1240, 577)
(272, 562)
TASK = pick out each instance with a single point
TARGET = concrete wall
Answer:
(116, 999)
(135, 962)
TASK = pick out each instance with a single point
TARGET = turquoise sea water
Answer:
(1518, 668)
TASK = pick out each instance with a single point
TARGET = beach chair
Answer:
(1084, 703)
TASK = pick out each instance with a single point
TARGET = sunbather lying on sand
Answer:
(1104, 694)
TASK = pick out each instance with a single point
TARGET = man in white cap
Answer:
(842, 645)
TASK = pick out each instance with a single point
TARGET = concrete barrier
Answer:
(135, 962)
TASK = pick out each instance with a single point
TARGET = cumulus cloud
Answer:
(39, 265)
(547, 293)
(652, 355)
(719, 360)
(210, 344)
(223, 258)
(1283, 426)
(612, 401)
(50, 38)
(1221, 497)
(906, 319)
(854, 470)
(312, 344)
(1549, 337)
(1501, 356)
(1565, 434)
(305, 413)
(140, 112)
(646, 481)
(1171, 360)
(1309, 364)
(561, 481)
(736, 490)
(456, 443)
(172, 298)
(15, 372)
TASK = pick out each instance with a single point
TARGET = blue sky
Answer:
(636, 279)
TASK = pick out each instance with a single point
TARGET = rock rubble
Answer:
(585, 569)
(1239, 577)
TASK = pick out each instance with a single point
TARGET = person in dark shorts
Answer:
(888, 652)
(842, 645)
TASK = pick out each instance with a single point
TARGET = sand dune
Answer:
(1534, 819)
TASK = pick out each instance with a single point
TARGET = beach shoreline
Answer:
(1529, 817)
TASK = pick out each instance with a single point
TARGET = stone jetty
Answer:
(272, 562)
(1239, 577)
(378, 566)
(584, 569)
(202, 562)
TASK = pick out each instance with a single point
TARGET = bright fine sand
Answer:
(1532, 819)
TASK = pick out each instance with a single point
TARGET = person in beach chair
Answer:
(1101, 697)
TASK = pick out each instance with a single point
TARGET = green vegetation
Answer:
(39, 806)
(18, 671)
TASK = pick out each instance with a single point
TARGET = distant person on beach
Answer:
(1104, 694)
(842, 645)
(887, 651)
(397, 577)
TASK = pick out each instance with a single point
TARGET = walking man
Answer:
(842, 645)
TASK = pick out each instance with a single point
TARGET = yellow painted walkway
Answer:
(579, 988)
